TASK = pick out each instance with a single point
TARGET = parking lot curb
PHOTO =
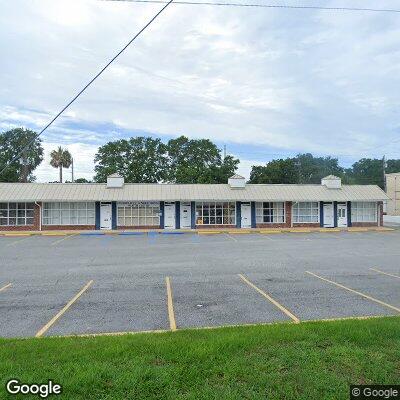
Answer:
(227, 326)
(237, 231)
(54, 234)
(16, 234)
(131, 233)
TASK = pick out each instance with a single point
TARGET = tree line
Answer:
(138, 159)
(305, 168)
(181, 160)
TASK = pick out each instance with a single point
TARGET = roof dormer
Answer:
(115, 181)
(237, 182)
(332, 182)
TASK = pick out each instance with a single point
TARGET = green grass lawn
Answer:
(316, 360)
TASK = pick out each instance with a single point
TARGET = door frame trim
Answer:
(341, 204)
(173, 205)
(109, 204)
(189, 204)
(247, 203)
(333, 214)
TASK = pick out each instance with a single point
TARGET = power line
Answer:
(257, 5)
(87, 85)
(386, 144)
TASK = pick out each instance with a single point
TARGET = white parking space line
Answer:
(382, 303)
(385, 273)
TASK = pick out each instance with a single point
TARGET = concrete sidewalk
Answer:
(193, 231)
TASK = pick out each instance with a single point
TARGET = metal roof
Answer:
(14, 192)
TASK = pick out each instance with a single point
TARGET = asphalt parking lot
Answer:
(88, 284)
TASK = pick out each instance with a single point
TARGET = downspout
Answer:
(40, 215)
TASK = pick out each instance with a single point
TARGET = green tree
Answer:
(304, 168)
(367, 171)
(276, 171)
(138, 160)
(312, 169)
(12, 143)
(392, 166)
(82, 180)
(198, 161)
(79, 180)
(60, 158)
(224, 169)
(348, 177)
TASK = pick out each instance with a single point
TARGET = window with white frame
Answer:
(216, 213)
(270, 212)
(69, 213)
(16, 214)
(145, 213)
(305, 212)
(364, 211)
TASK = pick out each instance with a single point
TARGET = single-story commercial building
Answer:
(393, 191)
(117, 205)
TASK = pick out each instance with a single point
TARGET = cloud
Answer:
(245, 167)
(284, 81)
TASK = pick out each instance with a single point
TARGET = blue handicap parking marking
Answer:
(152, 237)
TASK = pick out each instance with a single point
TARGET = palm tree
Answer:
(60, 158)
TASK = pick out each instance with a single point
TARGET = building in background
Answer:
(393, 192)
(237, 204)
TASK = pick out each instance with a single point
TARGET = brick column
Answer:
(288, 214)
(36, 217)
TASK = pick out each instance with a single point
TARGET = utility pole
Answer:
(25, 169)
(297, 165)
(72, 170)
(224, 151)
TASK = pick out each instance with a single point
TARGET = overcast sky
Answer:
(267, 83)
